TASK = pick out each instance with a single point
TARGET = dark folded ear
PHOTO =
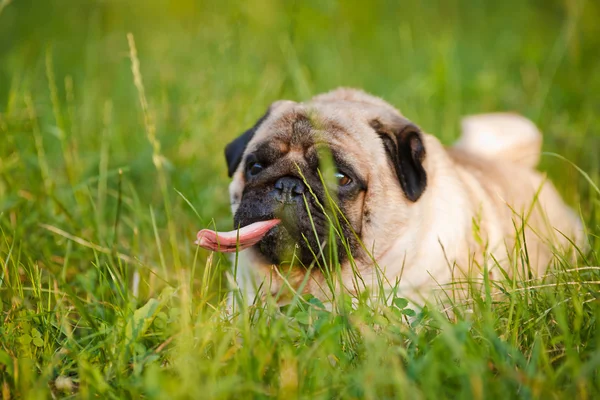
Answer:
(235, 150)
(403, 143)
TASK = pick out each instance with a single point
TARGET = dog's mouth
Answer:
(238, 239)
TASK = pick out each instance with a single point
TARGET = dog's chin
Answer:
(282, 245)
(285, 243)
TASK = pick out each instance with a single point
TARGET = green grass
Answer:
(104, 180)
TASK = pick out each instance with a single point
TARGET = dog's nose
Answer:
(288, 188)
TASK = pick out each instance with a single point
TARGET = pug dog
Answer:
(408, 213)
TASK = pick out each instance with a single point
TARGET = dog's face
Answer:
(277, 170)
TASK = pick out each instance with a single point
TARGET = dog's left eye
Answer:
(343, 179)
(254, 169)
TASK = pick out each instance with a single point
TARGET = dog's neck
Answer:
(442, 234)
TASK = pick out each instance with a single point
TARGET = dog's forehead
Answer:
(301, 125)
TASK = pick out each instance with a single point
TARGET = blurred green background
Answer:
(69, 106)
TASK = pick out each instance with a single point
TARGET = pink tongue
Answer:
(229, 242)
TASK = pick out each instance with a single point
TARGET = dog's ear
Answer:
(235, 150)
(403, 143)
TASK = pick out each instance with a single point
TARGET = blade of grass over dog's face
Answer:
(328, 170)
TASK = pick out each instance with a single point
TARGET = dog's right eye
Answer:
(254, 169)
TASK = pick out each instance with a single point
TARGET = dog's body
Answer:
(419, 215)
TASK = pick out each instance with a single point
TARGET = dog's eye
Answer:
(343, 179)
(254, 169)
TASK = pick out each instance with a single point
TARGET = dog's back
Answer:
(520, 208)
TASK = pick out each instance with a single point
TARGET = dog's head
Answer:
(277, 171)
